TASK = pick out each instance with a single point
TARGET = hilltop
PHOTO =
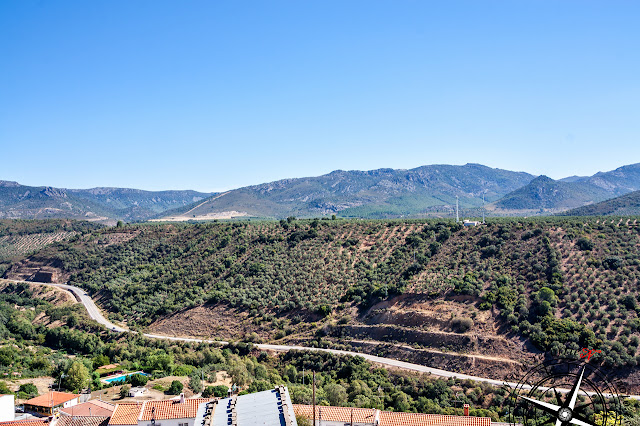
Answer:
(624, 205)
(546, 194)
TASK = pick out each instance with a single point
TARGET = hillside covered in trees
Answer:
(556, 284)
(43, 338)
(628, 204)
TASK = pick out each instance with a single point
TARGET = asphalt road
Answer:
(94, 313)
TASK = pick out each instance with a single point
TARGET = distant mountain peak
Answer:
(50, 191)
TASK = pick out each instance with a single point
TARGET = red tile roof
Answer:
(172, 409)
(37, 422)
(83, 421)
(95, 407)
(126, 414)
(336, 414)
(388, 418)
(52, 398)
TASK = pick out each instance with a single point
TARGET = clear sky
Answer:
(214, 95)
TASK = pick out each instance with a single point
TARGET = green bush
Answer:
(124, 391)
(218, 391)
(29, 389)
(175, 388)
(139, 380)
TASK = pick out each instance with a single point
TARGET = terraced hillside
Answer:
(485, 296)
(19, 237)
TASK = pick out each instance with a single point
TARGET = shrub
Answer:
(219, 391)
(175, 388)
(461, 324)
(29, 389)
(139, 380)
(124, 391)
(584, 244)
(612, 262)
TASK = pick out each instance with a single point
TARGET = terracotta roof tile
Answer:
(83, 421)
(125, 414)
(336, 414)
(172, 409)
(94, 407)
(388, 418)
(50, 399)
(37, 422)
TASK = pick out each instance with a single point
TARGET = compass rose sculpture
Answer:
(562, 393)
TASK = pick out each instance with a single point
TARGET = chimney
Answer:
(182, 399)
(465, 407)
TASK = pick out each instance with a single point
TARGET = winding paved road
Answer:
(94, 313)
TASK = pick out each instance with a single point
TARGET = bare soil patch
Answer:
(216, 322)
(42, 383)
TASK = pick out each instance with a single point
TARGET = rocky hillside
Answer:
(428, 191)
(366, 194)
(96, 204)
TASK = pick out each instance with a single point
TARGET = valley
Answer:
(477, 300)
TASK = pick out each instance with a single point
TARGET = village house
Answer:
(172, 412)
(49, 403)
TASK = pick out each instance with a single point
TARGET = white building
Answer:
(7, 408)
(49, 403)
(170, 412)
(138, 391)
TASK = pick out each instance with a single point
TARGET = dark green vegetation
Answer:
(40, 348)
(548, 194)
(28, 202)
(562, 283)
(624, 205)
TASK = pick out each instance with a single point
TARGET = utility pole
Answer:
(314, 398)
(483, 208)
(457, 216)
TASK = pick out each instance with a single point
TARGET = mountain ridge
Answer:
(424, 191)
(624, 205)
(373, 193)
(102, 204)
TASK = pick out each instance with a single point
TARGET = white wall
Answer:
(7, 408)
(169, 422)
(71, 403)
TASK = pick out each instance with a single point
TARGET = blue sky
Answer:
(214, 95)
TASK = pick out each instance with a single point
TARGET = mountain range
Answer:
(96, 204)
(431, 190)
